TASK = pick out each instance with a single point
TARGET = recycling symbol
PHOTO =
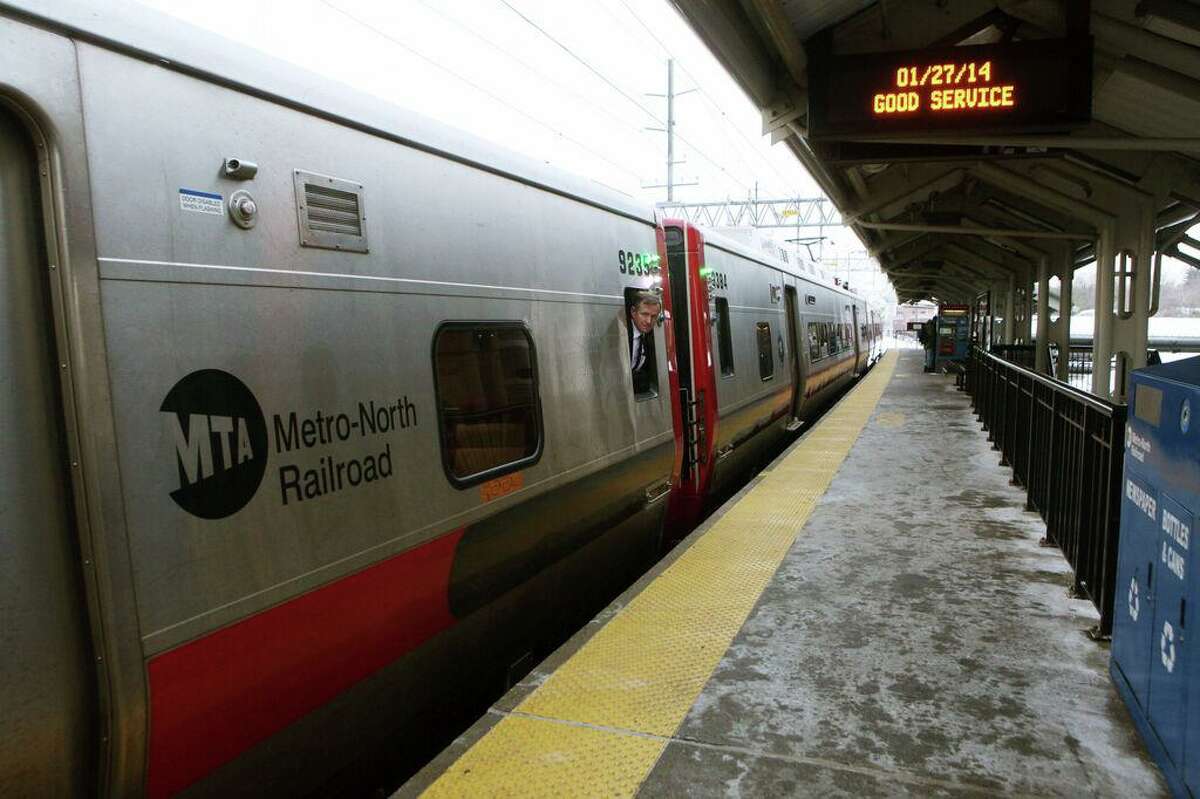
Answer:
(1134, 605)
(1167, 646)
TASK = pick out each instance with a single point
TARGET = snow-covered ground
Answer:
(1082, 326)
(1164, 327)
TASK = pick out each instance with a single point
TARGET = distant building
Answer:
(918, 312)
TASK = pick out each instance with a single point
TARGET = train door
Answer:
(46, 682)
(871, 333)
(868, 332)
(795, 362)
(857, 336)
(681, 314)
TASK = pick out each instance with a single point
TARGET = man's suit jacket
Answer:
(643, 377)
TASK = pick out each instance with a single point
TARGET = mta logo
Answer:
(220, 443)
(195, 450)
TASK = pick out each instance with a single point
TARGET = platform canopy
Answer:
(984, 150)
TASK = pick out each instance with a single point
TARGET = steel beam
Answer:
(1124, 230)
(1062, 141)
(900, 182)
(972, 231)
(785, 213)
(724, 29)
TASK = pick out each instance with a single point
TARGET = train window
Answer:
(766, 357)
(489, 411)
(724, 338)
(642, 309)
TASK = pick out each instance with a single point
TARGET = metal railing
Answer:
(1079, 364)
(1021, 354)
(1079, 357)
(1079, 360)
(1066, 447)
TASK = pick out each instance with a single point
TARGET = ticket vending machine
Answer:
(1155, 662)
(953, 333)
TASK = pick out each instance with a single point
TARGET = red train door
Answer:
(681, 319)
(694, 403)
(794, 361)
(857, 336)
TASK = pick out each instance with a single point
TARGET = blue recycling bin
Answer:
(1155, 663)
(952, 334)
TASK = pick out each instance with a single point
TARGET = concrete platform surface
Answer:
(914, 641)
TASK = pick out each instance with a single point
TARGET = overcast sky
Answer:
(562, 81)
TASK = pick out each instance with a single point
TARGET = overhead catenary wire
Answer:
(580, 59)
(620, 91)
(478, 88)
(622, 121)
(700, 88)
(729, 144)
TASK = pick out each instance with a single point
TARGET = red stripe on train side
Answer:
(215, 697)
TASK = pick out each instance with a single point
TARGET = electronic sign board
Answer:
(1028, 86)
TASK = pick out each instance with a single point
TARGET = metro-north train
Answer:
(316, 411)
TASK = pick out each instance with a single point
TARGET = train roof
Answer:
(148, 35)
(731, 245)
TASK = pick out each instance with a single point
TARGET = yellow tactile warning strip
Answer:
(599, 723)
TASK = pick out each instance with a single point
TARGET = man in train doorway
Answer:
(643, 312)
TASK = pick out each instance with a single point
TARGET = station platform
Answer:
(871, 616)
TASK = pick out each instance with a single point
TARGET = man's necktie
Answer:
(637, 353)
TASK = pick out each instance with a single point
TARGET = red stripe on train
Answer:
(217, 696)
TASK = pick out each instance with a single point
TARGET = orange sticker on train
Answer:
(502, 486)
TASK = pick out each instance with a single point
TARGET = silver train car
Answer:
(763, 346)
(317, 411)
